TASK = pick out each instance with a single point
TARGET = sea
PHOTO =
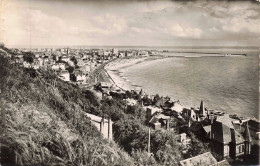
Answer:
(229, 84)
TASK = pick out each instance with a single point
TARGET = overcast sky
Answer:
(134, 23)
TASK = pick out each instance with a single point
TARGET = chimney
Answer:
(110, 133)
(149, 133)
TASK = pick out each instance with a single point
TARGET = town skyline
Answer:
(137, 23)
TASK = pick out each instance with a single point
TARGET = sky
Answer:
(129, 23)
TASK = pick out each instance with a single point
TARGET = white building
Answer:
(64, 75)
(115, 51)
(177, 107)
(104, 126)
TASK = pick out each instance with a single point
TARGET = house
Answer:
(58, 66)
(107, 53)
(45, 60)
(61, 66)
(177, 107)
(35, 64)
(55, 67)
(26, 64)
(80, 62)
(150, 111)
(64, 75)
(103, 125)
(143, 53)
(104, 86)
(37, 54)
(130, 102)
(226, 141)
(121, 55)
(64, 58)
(205, 159)
(159, 121)
(80, 76)
(40, 61)
(254, 128)
(115, 51)
(189, 113)
(100, 52)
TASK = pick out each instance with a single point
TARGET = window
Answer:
(237, 149)
(242, 148)
(226, 150)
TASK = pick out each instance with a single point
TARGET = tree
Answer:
(165, 147)
(73, 59)
(143, 158)
(128, 94)
(28, 57)
(196, 147)
(156, 98)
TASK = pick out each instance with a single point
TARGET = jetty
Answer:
(208, 53)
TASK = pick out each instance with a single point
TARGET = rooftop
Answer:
(225, 120)
(202, 159)
(95, 118)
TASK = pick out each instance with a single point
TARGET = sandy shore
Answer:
(113, 71)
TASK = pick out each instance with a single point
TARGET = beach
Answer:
(112, 71)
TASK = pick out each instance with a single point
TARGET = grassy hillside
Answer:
(42, 122)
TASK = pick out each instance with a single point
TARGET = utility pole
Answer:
(149, 137)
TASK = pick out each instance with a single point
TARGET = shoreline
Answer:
(113, 71)
(113, 68)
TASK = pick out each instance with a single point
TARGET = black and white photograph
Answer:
(129, 82)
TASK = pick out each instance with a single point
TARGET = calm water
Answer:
(228, 84)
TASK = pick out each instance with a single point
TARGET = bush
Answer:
(42, 122)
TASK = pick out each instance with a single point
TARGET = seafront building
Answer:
(226, 141)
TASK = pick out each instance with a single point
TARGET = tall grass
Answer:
(42, 122)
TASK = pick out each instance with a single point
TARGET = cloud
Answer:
(108, 24)
(241, 25)
(153, 6)
(181, 31)
(236, 17)
(131, 23)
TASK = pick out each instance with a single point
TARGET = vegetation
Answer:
(28, 57)
(43, 122)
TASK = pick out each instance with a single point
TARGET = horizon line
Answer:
(114, 46)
